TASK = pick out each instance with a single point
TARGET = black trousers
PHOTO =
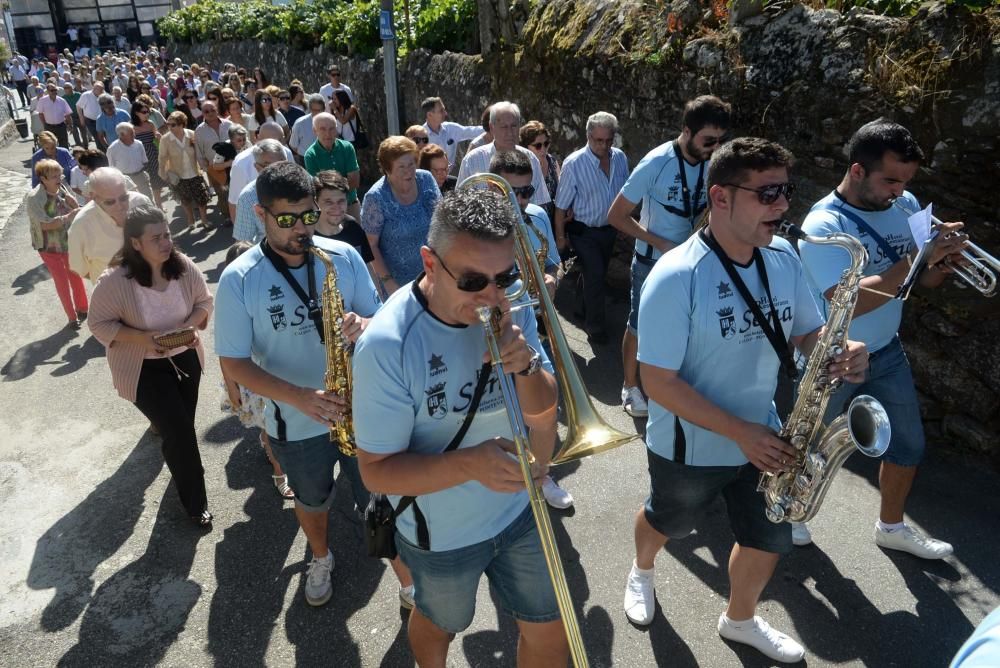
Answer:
(22, 91)
(170, 405)
(593, 246)
(61, 132)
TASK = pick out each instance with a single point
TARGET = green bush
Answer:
(343, 26)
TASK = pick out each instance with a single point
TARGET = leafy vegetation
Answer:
(343, 26)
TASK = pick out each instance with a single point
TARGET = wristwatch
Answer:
(534, 364)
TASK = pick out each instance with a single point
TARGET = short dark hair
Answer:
(331, 179)
(93, 159)
(128, 257)
(284, 180)
(510, 162)
(236, 250)
(872, 140)
(479, 213)
(706, 110)
(429, 104)
(733, 160)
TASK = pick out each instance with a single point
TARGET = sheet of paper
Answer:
(920, 226)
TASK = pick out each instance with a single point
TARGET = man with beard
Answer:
(670, 183)
(884, 157)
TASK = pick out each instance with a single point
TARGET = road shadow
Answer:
(27, 281)
(137, 613)
(200, 244)
(67, 555)
(77, 355)
(26, 359)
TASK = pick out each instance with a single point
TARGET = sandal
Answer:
(203, 520)
(281, 484)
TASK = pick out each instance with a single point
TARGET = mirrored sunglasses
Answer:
(770, 194)
(288, 220)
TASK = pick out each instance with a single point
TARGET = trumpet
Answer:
(980, 269)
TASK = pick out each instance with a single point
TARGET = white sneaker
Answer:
(406, 597)
(556, 496)
(634, 403)
(640, 598)
(318, 586)
(801, 534)
(758, 634)
(910, 540)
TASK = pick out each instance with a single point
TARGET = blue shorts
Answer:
(309, 466)
(640, 270)
(679, 494)
(445, 583)
(891, 382)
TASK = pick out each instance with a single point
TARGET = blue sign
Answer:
(385, 27)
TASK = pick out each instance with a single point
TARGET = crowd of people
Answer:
(415, 259)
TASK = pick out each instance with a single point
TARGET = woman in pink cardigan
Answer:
(151, 288)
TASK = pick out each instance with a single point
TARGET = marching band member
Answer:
(418, 369)
(709, 358)
(268, 338)
(884, 157)
(670, 184)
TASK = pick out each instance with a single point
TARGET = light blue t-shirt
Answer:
(693, 320)
(982, 649)
(107, 124)
(414, 377)
(656, 182)
(540, 220)
(258, 315)
(825, 263)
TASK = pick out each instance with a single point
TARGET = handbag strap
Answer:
(423, 535)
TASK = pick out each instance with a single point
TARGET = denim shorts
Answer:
(309, 466)
(640, 271)
(679, 495)
(445, 583)
(891, 382)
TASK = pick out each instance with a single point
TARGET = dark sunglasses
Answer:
(142, 111)
(288, 220)
(474, 282)
(542, 144)
(421, 140)
(265, 99)
(121, 199)
(284, 98)
(334, 74)
(524, 191)
(770, 194)
(709, 142)
(189, 97)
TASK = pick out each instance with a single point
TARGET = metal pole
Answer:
(388, 35)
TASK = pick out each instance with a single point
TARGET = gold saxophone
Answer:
(795, 495)
(338, 378)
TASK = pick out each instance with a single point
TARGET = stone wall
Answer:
(804, 77)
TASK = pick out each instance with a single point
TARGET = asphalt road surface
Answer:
(100, 567)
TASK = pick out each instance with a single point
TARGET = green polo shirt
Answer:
(342, 158)
(72, 99)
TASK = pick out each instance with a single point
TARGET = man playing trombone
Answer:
(419, 369)
(883, 158)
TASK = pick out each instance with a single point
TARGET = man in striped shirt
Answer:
(591, 178)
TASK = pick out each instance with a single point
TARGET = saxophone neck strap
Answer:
(770, 324)
(863, 228)
(308, 300)
(423, 535)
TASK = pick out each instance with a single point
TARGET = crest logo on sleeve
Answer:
(436, 365)
(275, 293)
(727, 322)
(437, 401)
(278, 320)
(724, 290)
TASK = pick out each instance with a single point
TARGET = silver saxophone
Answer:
(795, 495)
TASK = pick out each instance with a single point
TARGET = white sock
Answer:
(746, 623)
(646, 573)
(889, 528)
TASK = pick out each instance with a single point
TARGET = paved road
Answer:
(99, 567)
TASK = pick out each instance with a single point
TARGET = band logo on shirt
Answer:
(437, 401)
(724, 290)
(278, 320)
(436, 365)
(727, 321)
(275, 293)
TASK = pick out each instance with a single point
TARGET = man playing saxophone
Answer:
(268, 338)
(883, 158)
(716, 316)
(417, 371)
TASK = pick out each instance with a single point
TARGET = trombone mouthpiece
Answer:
(787, 228)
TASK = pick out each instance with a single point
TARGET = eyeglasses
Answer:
(770, 194)
(527, 192)
(288, 220)
(121, 199)
(542, 144)
(709, 142)
(474, 282)
(189, 97)
(334, 74)
(265, 99)
(421, 140)
(142, 111)
(284, 98)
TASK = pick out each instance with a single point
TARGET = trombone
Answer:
(980, 269)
